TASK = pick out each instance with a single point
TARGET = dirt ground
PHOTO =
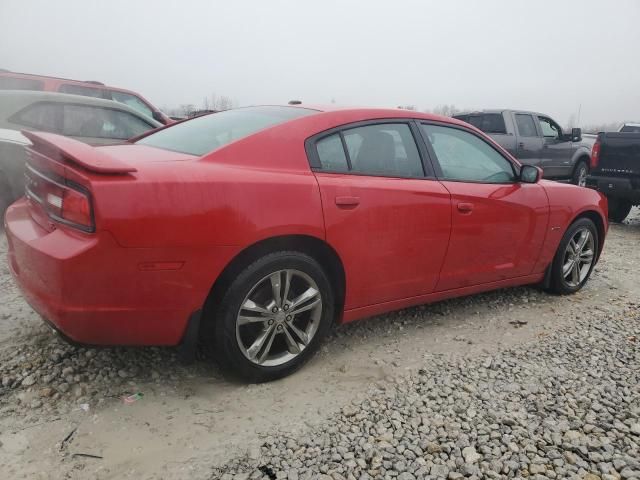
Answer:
(191, 419)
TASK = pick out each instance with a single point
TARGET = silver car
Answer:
(90, 120)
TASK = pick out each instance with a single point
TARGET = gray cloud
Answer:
(546, 55)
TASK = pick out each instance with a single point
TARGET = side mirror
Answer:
(530, 174)
(576, 134)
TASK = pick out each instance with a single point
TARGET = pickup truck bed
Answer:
(615, 171)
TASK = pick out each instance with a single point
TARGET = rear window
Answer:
(487, 122)
(630, 129)
(209, 132)
(10, 83)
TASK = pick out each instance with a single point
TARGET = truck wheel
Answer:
(580, 174)
(273, 316)
(618, 209)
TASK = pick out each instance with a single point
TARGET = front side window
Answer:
(204, 134)
(465, 157)
(383, 149)
(84, 91)
(12, 83)
(526, 126)
(550, 129)
(41, 116)
(133, 102)
(98, 122)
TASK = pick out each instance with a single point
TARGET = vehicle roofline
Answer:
(501, 110)
(57, 97)
(86, 83)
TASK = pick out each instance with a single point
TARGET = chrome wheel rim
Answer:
(278, 318)
(582, 177)
(578, 257)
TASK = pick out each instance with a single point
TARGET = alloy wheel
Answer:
(279, 317)
(578, 257)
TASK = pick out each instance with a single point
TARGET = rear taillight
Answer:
(63, 201)
(595, 154)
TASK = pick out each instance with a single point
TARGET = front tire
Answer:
(575, 258)
(273, 317)
(580, 174)
(618, 209)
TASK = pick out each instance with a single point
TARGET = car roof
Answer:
(371, 112)
(21, 98)
(86, 83)
(500, 110)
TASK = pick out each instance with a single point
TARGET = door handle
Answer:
(521, 145)
(347, 201)
(465, 207)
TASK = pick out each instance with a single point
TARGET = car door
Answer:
(530, 143)
(498, 224)
(556, 150)
(386, 215)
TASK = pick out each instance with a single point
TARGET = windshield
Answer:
(207, 133)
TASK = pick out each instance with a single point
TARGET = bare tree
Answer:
(186, 109)
(446, 110)
(219, 103)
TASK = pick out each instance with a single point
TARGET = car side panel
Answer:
(394, 241)
(499, 238)
(202, 205)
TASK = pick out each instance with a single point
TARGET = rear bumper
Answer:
(96, 292)
(616, 187)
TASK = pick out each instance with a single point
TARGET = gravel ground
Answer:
(565, 407)
(513, 383)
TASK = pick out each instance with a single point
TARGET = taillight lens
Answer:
(595, 154)
(62, 200)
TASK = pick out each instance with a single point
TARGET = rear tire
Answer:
(575, 258)
(580, 174)
(255, 336)
(618, 209)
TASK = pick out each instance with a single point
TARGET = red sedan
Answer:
(256, 229)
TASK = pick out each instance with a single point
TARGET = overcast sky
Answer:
(545, 55)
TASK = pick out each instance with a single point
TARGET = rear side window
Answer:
(10, 83)
(383, 149)
(84, 91)
(331, 154)
(97, 122)
(41, 116)
(630, 129)
(487, 122)
(132, 101)
(526, 126)
(210, 132)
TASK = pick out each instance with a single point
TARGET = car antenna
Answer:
(295, 102)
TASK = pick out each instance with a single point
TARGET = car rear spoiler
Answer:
(64, 149)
